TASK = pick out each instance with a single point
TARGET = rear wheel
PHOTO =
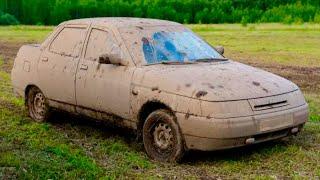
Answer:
(162, 137)
(37, 105)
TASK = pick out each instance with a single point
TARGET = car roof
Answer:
(119, 22)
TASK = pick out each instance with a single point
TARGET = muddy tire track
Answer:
(307, 78)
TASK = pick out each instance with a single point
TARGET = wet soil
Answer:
(8, 52)
(307, 78)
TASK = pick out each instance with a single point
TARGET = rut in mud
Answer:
(307, 78)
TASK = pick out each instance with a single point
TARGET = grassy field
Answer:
(71, 147)
(267, 43)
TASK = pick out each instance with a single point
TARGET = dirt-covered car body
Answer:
(216, 104)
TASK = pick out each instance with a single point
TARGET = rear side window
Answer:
(69, 42)
(101, 43)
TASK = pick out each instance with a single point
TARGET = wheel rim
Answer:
(163, 137)
(39, 106)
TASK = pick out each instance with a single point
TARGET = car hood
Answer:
(218, 81)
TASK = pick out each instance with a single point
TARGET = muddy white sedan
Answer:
(159, 78)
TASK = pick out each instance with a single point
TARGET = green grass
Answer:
(267, 43)
(24, 33)
(314, 106)
(1, 61)
(70, 147)
(42, 152)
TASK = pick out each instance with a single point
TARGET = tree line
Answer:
(52, 12)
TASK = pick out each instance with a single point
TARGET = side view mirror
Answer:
(110, 59)
(220, 49)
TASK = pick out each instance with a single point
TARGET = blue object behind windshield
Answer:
(176, 46)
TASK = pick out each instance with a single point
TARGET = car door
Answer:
(58, 64)
(103, 87)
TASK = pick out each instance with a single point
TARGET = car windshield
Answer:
(169, 44)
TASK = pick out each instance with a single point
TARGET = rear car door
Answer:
(58, 64)
(103, 87)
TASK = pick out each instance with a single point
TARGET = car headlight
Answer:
(296, 98)
(228, 109)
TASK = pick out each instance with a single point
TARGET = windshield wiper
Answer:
(176, 62)
(211, 59)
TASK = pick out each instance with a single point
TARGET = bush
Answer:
(317, 17)
(244, 21)
(287, 20)
(8, 19)
(290, 13)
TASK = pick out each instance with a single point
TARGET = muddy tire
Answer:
(162, 137)
(37, 105)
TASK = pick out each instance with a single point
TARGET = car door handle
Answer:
(83, 67)
(44, 59)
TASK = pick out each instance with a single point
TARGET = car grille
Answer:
(268, 103)
(265, 106)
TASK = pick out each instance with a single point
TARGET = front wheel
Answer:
(162, 137)
(37, 105)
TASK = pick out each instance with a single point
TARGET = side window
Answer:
(68, 42)
(101, 42)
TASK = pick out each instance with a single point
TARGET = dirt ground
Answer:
(8, 51)
(307, 78)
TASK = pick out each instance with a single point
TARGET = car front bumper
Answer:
(202, 133)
